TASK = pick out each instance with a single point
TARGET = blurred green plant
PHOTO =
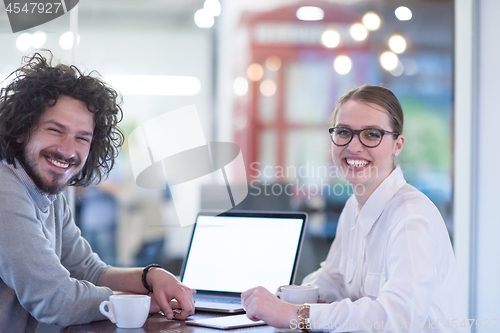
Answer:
(427, 131)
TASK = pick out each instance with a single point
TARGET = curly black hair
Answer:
(38, 85)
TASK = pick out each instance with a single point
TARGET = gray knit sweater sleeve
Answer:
(46, 268)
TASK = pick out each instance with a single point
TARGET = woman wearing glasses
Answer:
(391, 266)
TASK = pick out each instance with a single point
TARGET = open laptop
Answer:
(235, 251)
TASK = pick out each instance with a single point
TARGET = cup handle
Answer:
(279, 294)
(111, 311)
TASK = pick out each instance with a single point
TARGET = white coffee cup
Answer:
(127, 311)
(298, 294)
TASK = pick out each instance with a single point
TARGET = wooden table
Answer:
(157, 323)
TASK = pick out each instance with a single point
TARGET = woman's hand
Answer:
(260, 304)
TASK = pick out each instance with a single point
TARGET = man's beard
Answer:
(46, 185)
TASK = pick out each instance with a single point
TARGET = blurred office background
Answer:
(266, 76)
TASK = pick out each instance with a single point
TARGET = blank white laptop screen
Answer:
(234, 253)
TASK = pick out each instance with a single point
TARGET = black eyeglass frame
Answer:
(358, 132)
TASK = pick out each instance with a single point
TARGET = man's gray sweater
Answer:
(48, 272)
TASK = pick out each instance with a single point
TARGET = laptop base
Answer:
(218, 307)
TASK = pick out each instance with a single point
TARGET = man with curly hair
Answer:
(58, 127)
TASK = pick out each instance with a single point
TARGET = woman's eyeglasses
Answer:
(369, 137)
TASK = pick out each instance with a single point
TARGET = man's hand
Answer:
(260, 304)
(168, 292)
(155, 308)
(166, 288)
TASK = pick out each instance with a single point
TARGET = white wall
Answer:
(487, 223)
(477, 156)
(462, 163)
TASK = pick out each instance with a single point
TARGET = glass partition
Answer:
(266, 78)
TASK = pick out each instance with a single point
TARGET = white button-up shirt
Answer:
(391, 267)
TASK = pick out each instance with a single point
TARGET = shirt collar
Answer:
(42, 199)
(377, 201)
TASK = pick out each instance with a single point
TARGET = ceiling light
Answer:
(66, 40)
(398, 70)
(310, 13)
(342, 65)
(203, 19)
(389, 60)
(358, 32)
(273, 63)
(330, 38)
(213, 7)
(397, 44)
(371, 21)
(403, 13)
(23, 41)
(240, 86)
(268, 88)
(410, 65)
(39, 39)
(255, 72)
(155, 84)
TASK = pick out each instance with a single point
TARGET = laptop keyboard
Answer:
(218, 299)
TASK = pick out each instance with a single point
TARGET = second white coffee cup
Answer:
(299, 294)
(127, 311)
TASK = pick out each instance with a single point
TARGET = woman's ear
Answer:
(398, 145)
